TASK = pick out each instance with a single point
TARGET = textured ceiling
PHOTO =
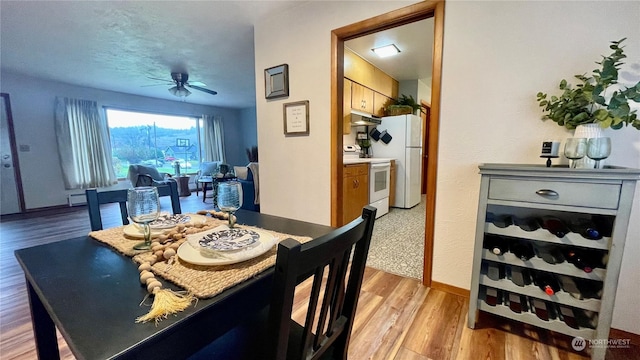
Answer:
(119, 45)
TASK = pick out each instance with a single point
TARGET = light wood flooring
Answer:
(397, 318)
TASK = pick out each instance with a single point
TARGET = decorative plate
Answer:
(167, 221)
(198, 256)
(229, 240)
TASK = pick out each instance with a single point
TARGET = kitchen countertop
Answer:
(347, 161)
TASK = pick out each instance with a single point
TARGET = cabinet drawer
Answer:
(353, 170)
(556, 192)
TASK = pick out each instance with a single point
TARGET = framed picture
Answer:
(276, 81)
(182, 142)
(296, 118)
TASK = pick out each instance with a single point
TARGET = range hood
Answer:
(359, 118)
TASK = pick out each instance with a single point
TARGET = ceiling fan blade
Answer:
(165, 84)
(155, 78)
(197, 83)
(202, 89)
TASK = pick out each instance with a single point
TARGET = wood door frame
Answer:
(405, 15)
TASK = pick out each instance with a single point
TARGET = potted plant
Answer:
(403, 105)
(597, 99)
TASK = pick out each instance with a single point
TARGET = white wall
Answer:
(497, 56)
(32, 105)
(295, 172)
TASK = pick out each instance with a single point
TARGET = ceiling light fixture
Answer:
(386, 51)
(179, 91)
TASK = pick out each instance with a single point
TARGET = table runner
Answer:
(201, 281)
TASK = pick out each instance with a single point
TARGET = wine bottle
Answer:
(546, 282)
(493, 270)
(501, 221)
(496, 244)
(544, 310)
(493, 296)
(603, 223)
(586, 318)
(584, 259)
(521, 249)
(519, 276)
(586, 228)
(517, 303)
(589, 289)
(550, 253)
(569, 286)
(567, 315)
(526, 223)
(554, 226)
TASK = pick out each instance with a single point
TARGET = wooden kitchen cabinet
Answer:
(358, 69)
(361, 98)
(392, 184)
(355, 191)
(384, 84)
(346, 108)
(380, 103)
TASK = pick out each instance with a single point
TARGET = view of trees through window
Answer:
(153, 140)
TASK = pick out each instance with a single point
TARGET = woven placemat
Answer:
(201, 281)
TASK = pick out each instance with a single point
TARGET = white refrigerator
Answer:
(406, 147)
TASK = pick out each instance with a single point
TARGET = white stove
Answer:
(379, 177)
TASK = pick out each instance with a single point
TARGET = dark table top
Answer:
(92, 294)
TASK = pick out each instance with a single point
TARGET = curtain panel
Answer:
(213, 138)
(83, 144)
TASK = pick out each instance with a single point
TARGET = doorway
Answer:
(11, 191)
(394, 18)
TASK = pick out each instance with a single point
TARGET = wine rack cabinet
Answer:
(566, 194)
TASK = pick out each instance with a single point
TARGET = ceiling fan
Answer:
(181, 81)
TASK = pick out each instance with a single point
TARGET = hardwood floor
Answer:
(397, 318)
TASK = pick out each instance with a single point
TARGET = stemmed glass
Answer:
(599, 149)
(143, 205)
(575, 149)
(230, 199)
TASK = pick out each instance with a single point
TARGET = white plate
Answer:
(167, 221)
(192, 255)
(135, 230)
(229, 239)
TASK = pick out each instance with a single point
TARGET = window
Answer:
(154, 140)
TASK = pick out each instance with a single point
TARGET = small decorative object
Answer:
(276, 81)
(598, 149)
(598, 99)
(143, 205)
(575, 149)
(403, 105)
(549, 151)
(230, 199)
(296, 118)
(365, 144)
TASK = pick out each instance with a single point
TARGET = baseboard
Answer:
(621, 334)
(450, 289)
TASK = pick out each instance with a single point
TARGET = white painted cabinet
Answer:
(536, 192)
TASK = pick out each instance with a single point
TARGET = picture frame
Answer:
(296, 118)
(276, 81)
(182, 142)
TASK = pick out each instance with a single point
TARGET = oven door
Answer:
(379, 179)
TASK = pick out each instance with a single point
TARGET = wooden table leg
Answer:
(204, 191)
(44, 330)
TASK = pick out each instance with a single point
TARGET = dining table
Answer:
(92, 294)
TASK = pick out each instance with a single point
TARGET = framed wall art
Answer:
(276, 81)
(296, 118)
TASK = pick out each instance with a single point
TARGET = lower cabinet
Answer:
(355, 191)
(549, 244)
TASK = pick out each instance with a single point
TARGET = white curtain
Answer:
(83, 144)
(213, 138)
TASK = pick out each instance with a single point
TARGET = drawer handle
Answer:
(547, 193)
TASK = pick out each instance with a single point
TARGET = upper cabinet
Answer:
(361, 98)
(364, 73)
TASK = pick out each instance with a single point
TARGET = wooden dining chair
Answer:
(336, 263)
(96, 198)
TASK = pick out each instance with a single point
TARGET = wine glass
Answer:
(143, 205)
(575, 149)
(230, 199)
(598, 149)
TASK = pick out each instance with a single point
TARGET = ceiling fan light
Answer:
(386, 51)
(179, 91)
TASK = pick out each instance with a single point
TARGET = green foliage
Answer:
(586, 103)
(407, 100)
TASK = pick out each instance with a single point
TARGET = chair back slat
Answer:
(95, 199)
(333, 299)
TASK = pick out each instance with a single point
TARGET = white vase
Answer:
(588, 131)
